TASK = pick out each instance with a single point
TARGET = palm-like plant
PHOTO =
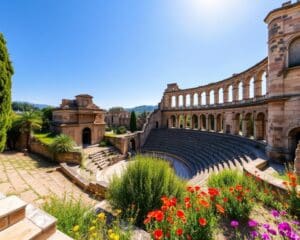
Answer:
(28, 122)
(62, 144)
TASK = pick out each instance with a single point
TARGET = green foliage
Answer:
(6, 72)
(142, 185)
(116, 109)
(30, 121)
(46, 138)
(104, 143)
(133, 126)
(47, 118)
(62, 143)
(14, 132)
(121, 130)
(23, 107)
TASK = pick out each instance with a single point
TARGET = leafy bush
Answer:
(121, 130)
(81, 223)
(142, 185)
(104, 143)
(62, 143)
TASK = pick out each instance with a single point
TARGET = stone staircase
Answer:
(22, 221)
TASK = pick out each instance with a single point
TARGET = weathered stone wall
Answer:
(297, 161)
(43, 150)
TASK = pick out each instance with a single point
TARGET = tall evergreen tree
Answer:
(6, 72)
(133, 127)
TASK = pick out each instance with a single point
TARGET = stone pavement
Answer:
(34, 179)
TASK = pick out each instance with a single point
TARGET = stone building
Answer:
(262, 102)
(80, 119)
(117, 117)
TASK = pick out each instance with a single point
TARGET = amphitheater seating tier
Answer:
(204, 152)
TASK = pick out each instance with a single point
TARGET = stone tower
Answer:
(283, 80)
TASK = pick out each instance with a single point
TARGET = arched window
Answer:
(230, 93)
(251, 88)
(240, 90)
(195, 99)
(188, 100)
(294, 53)
(173, 101)
(264, 84)
(203, 98)
(212, 97)
(180, 101)
(221, 96)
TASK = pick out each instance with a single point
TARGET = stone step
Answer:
(58, 235)
(12, 210)
(43, 220)
(22, 230)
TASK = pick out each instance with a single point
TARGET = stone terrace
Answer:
(34, 179)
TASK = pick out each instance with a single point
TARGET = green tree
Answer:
(30, 121)
(6, 72)
(47, 118)
(133, 127)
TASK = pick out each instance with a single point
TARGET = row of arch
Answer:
(245, 125)
(221, 96)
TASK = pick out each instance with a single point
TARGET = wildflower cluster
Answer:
(294, 196)
(192, 218)
(101, 229)
(279, 229)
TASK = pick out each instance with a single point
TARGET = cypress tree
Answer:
(133, 127)
(6, 72)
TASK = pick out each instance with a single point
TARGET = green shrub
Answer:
(76, 219)
(104, 143)
(62, 143)
(142, 185)
(70, 213)
(121, 130)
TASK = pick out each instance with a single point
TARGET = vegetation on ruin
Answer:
(231, 207)
(132, 124)
(6, 72)
(46, 138)
(141, 186)
(80, 222)
(62, 144)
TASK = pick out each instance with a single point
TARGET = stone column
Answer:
(199, 99)
(192, 100)
(235, 92)
(225, 94)
(207, 98)
(177, 101)
(207, 123)
(184, 100)
(246, 90)
(297, 161)
(257, 86)
(216, 97)
(215, 123)
(245, 128)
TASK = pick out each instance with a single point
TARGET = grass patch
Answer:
(45, 138)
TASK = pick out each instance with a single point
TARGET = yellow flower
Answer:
(92, 228)
(114, 236)
(76, 228)
(118, 211)
(94, 221)
(101, 216)
(110, 231)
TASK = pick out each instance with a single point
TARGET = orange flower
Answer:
(239, 188)
(220, 208)
(190, 189)
(158, 234)
(225, 199)
(202, 222)
(231, 189)
(204, 203)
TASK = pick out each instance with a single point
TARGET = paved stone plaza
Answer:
(34, 179)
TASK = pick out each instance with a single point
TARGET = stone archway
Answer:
(173, 121)
(293, 140)
(132, 144)
(203, 122)
(237, 124)
(211, 122)
(248, 126)
(195, 124)
(219, 123)
(260, 127)
(86, 136)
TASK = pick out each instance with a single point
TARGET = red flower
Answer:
(204, 203)
(202, 222)
(190, 189)
(239, 188)
(179, 232)
(158, 234)
(213, 192)
(159, 216)
(225, 199)
(180, 214)
(197, 188)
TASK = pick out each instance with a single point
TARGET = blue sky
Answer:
(124, 52)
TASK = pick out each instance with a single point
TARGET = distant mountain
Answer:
(41, 106)
(143, 108)
(27, 106)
